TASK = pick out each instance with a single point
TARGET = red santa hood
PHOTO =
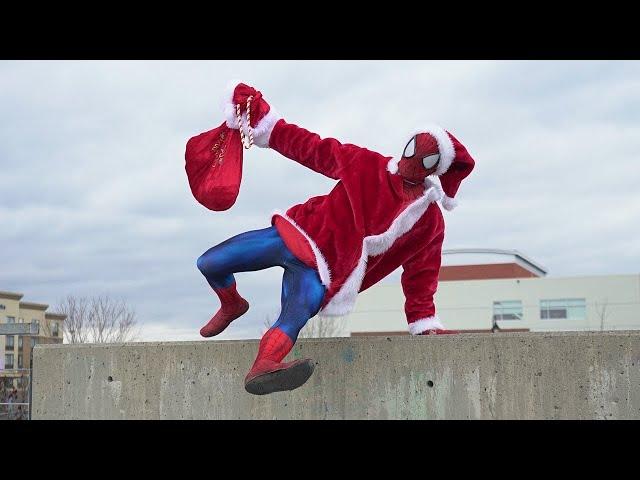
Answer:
(455, 163)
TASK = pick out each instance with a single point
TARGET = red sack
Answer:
(214, 167)
(214, 158)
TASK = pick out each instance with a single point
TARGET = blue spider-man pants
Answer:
(302, 290)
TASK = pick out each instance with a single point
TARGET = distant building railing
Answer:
(15, 383)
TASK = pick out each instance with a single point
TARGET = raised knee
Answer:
(203, 263)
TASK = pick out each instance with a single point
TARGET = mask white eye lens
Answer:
(410, 149)
(430, 161)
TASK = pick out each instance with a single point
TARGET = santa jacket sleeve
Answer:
(323, 155)
(419, 283)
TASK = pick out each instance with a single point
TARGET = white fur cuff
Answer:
(262, 132)
(424, 324)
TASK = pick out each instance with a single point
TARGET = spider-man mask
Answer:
(420, 158)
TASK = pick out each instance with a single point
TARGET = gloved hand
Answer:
(259, 106)
(262, 118)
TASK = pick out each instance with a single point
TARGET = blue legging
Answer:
(302, 290)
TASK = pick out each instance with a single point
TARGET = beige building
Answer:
(15, 350)
(481, 289)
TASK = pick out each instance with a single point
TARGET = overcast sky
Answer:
(94, 198)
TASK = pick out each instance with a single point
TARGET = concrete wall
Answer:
(469, 304)
(469, 376)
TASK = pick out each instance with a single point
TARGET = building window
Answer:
(9, 344)
(2, 307)
(20, 343)
(54, 329)
(11, 319)
(565, 308)
(8, 361)
(20, 365)
(507, 310)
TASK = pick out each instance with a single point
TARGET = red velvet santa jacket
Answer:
(364, 229)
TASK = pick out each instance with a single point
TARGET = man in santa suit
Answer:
(382, 214)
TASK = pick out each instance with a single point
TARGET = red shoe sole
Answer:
(288, 378)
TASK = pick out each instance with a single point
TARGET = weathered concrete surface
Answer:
(471, 376)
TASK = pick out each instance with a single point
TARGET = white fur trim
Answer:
(262, 131)
(392, 166)
(228, 108)
(449, 203)
(323, 266)
(424, 324)
(343, 301)
(429, 183)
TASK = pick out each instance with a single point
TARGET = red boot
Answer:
(232, 306)
(268, 374)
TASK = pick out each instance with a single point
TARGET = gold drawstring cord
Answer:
(246, 144)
